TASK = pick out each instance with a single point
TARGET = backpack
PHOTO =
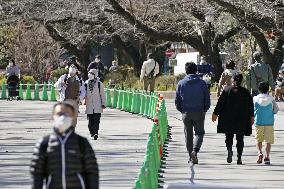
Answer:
(44, 145)
(152, 73)
(66, 77)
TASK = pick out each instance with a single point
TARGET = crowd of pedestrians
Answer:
(65, 159)
(238, 108)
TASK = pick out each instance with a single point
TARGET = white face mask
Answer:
(72, 70)
(97, 60)
(91, 76)
(10, 64)
(62, 123)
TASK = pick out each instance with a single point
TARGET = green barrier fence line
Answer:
(28, 93)
(151, 106)
(148, 105)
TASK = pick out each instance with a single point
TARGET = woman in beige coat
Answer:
(95, 102)
(226, 77)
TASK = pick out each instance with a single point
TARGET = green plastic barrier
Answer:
(28, 92)
(36, 92)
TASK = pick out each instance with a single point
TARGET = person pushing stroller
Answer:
(13, 79)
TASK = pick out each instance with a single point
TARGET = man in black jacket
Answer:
(64, 159)
(99, 66)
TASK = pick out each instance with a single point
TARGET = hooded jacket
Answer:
(95, 96)
(264, 109)
(192, 95)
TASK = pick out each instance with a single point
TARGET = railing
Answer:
(151, 106)
(28, 94)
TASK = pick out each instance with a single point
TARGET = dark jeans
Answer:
(193, 120)
(94, 123)
(240, 142)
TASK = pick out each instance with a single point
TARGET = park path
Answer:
(120, 149)
(213, 170)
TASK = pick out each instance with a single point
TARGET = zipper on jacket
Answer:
(81, 180)
(63, 172)
(48, 181)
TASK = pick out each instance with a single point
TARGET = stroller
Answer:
(13, 88)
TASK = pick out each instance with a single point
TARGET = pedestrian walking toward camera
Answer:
(235, 114)
(99, 66)
(193, 101)
(71, 88)
(149, 71)
(226, 77)
(259, 72)
(13, 69)
(64, 159)
(264, 109)
(95, 102)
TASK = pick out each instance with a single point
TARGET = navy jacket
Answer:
(192, 95)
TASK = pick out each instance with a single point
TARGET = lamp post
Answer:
(209, 18)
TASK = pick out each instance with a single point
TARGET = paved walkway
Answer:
(213, 170)
(120, 149)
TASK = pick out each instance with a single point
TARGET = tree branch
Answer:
(265, 23)
(220, 38)
(194, 41)
(63, 41)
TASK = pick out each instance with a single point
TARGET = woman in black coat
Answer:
(235, 113)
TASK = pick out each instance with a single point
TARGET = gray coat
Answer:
(95, 97)
(259, 72)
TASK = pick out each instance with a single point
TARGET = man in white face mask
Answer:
(99, 66)
(69, 157)
(71, 89)
(95, 102)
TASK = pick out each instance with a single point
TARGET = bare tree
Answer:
(260, 18)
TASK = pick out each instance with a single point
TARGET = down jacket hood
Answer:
(263, 99)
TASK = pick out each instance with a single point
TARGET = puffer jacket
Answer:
(66, 162)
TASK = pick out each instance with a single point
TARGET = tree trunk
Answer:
(217, 63)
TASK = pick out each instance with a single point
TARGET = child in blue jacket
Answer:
(264, 109)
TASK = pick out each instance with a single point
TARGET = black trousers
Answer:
(240, 142)
(94, 122)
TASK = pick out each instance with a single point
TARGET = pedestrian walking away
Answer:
(149, 71)
(226, 77)
(64, 159)
(259, 72)
(264, 109)
(71, 88)
(193, 101)
(235, 114)
(95, 101)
